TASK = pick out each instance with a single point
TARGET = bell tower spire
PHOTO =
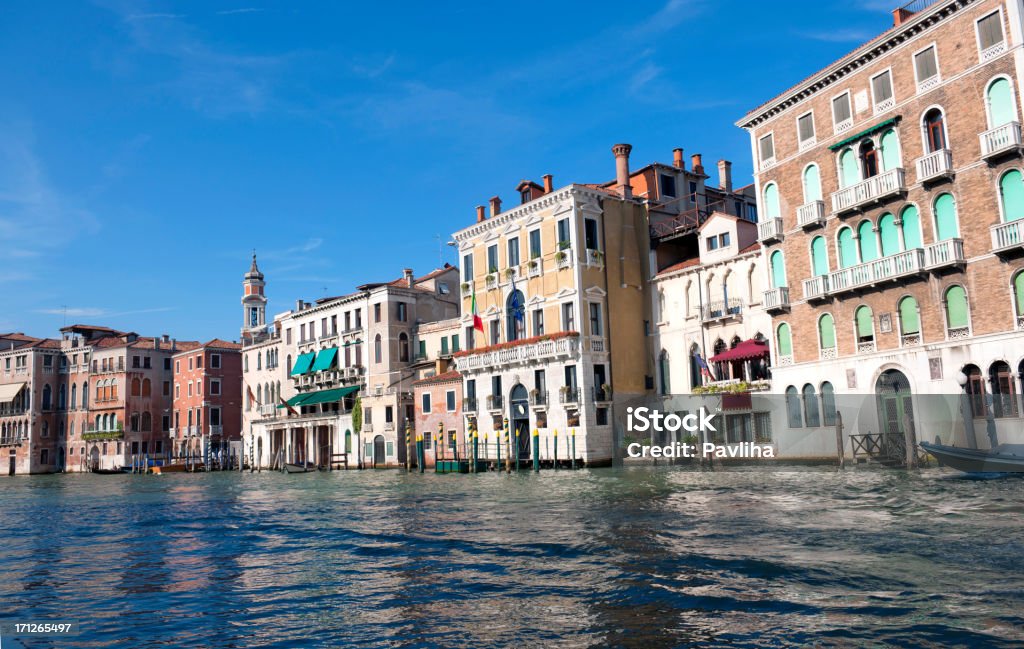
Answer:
(254, 303)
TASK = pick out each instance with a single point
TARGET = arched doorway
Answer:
(378, 451)
(259, 451)
(94, 458)
(894, 400)
(519, 405)
(61, 459)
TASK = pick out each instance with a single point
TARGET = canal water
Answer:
(635, 557)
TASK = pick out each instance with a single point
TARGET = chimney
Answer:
(900, 16)
(481, 216)
(298, 304)
(549, 185)
(495, 206)
(407, 273)
(156, 343)
(695, 162)
(725, 175)
(166, 338)
(677, 159)
(174, 344)
(621, 152)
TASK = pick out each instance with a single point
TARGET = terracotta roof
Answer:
(47, 343)
(517, 343)
(751, 248)
(18, 337)
(446, 377)
(689, 263)
(222, 344)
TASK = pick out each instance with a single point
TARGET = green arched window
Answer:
(889, 234)
(784, 340)
(868, 244)
(847, 249)
(348, 441)
(778, 269)
(771, 201)
(1011, 193)
(812, 184)
(890, 150)
(865, 324)
(911, 226)
(827, 331)
(819, 257)
(910, 319)
(848, 172)
(956, 307)
(1000, 103)
(1018, 292)
(945, 218)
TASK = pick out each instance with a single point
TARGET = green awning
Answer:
(303, 363)
(864, 133)
(328, 396)
(325, 359)
(297, 400)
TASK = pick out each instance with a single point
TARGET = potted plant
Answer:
(561, 256)
(465, 286)
(606, 390)
(596, 255)
(563, 245)
(534, 264)
(510, 273)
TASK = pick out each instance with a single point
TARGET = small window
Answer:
(535, 244)
(215, 387)
(492, 258)
(766, 145)
(538, 322)
(403, 312)
(881, 91)
(568, 317)
(426, 402)
(596, 328)
(805, 128)
(563, 234)
(724, 239)
(513, 252)
(842, 116)
(590, 234)
(467, 270)
(926, 67)
(668, 186)
(990, 31)
(449, 400)
(214, 361)
(712, 243)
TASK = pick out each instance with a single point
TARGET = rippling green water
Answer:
(616, 557)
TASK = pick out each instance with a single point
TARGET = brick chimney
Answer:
(900, 16)
(407, 273)
(695, 162)
(677, 158)
(481, 215)
(549, 183)
(621, 152)
(725, 175)
(495, 206)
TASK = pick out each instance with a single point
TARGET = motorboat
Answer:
(1004, 458)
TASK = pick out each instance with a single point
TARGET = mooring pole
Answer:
(556, 449)
(440, 440)
(536, 450)
(572, 433)
(497, 445)
(476, 446)
(517, 449)
(408, 446)
(420, 459)
(508, 449)
(840, 451)
(911, 444)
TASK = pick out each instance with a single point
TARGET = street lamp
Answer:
(965, 410)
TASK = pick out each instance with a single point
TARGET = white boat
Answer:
(1005, 458)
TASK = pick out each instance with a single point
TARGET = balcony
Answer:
(268, 410)
(595, 257)
(511, 273)
(944, 253)
(491, 281)
(538, 398)
(902, 264)
(776, 299)
(467, 289)
(534, 268)
(469, 404)
(720, 310)
(569, 395)
(868, 191)
(1000, 140)
(494, 402)
(602, 394)
(1007, 237)
(770, 230)
(811, 214)
(597, 344)
(216, 430)
(866, 347)
(566, 346)
(935, 165)
(563, 258)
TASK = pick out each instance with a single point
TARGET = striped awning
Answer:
(9, 391)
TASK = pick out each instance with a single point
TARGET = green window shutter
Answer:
(771, 201)
(1012, 190)
(423, 349)
(1000, 103)
(785, 341)
(956, 307)
(945, 217)
(890, 151)
(827, 331)
(865, 328)
(910, 323)
(847, 248)
(778, 270)
(890, 236)
(911, 228)
(444, 344)
(848, 164)
(812, 184)
(819, 257)
(1018, 292)
(868, 244)
(455, 342)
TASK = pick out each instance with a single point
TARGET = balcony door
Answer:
(519, 407)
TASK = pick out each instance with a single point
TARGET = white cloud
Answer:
(845, 35)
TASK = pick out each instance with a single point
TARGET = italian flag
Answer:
(478, 323)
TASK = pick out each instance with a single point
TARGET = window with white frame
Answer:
(568, 317)
(425, 408)
(805, 129)
(596, 322)
(991, 40)
(449, 399)
(842, 115)
(926, 68)
(214, 361)
(215, 387)
(766, 149)
(881, 91)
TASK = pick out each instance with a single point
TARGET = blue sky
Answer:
(147, 148)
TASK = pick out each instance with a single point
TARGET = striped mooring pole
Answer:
(572, 432)
(420, 458)
(508, 449)
(536, 451)
(556, 449)
(440, 440)
(408, 445)
(476, 445)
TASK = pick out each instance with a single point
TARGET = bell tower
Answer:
(254, 303)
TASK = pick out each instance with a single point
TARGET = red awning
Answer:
(745, 351)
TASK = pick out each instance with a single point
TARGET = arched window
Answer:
(378, 350)
(259, 394)
(819, 256)
(515, 316)
(889, 234)
(957, 315)
(784, 341)
(890, 150)
(136, 387)
(721, 369)
(945, 218)
(288, 358)
(975, 389)
(911, 226)
(663, 373)
(696, 373)
(1018, 297)
(147, 388)
(259, 361)
(910, 321)
(827, 334)
(812, 184)
(134, 422)
(403, 348)
(147, 422)
(1011, 195)
(348, 441)
(1004, 395)
(867, 242)
(85, 394)
(771, 201)
(47, 397)
(74, 396)
(934, 131)
(277, 391)
(999, 101)
(828, 404)
(793, 415)
(113, 388)
(864, 323)
(246, 360)
(811, 416)
(778, 267)
(848, 173)
(868, 159)
(62, 397)
(847, 248)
